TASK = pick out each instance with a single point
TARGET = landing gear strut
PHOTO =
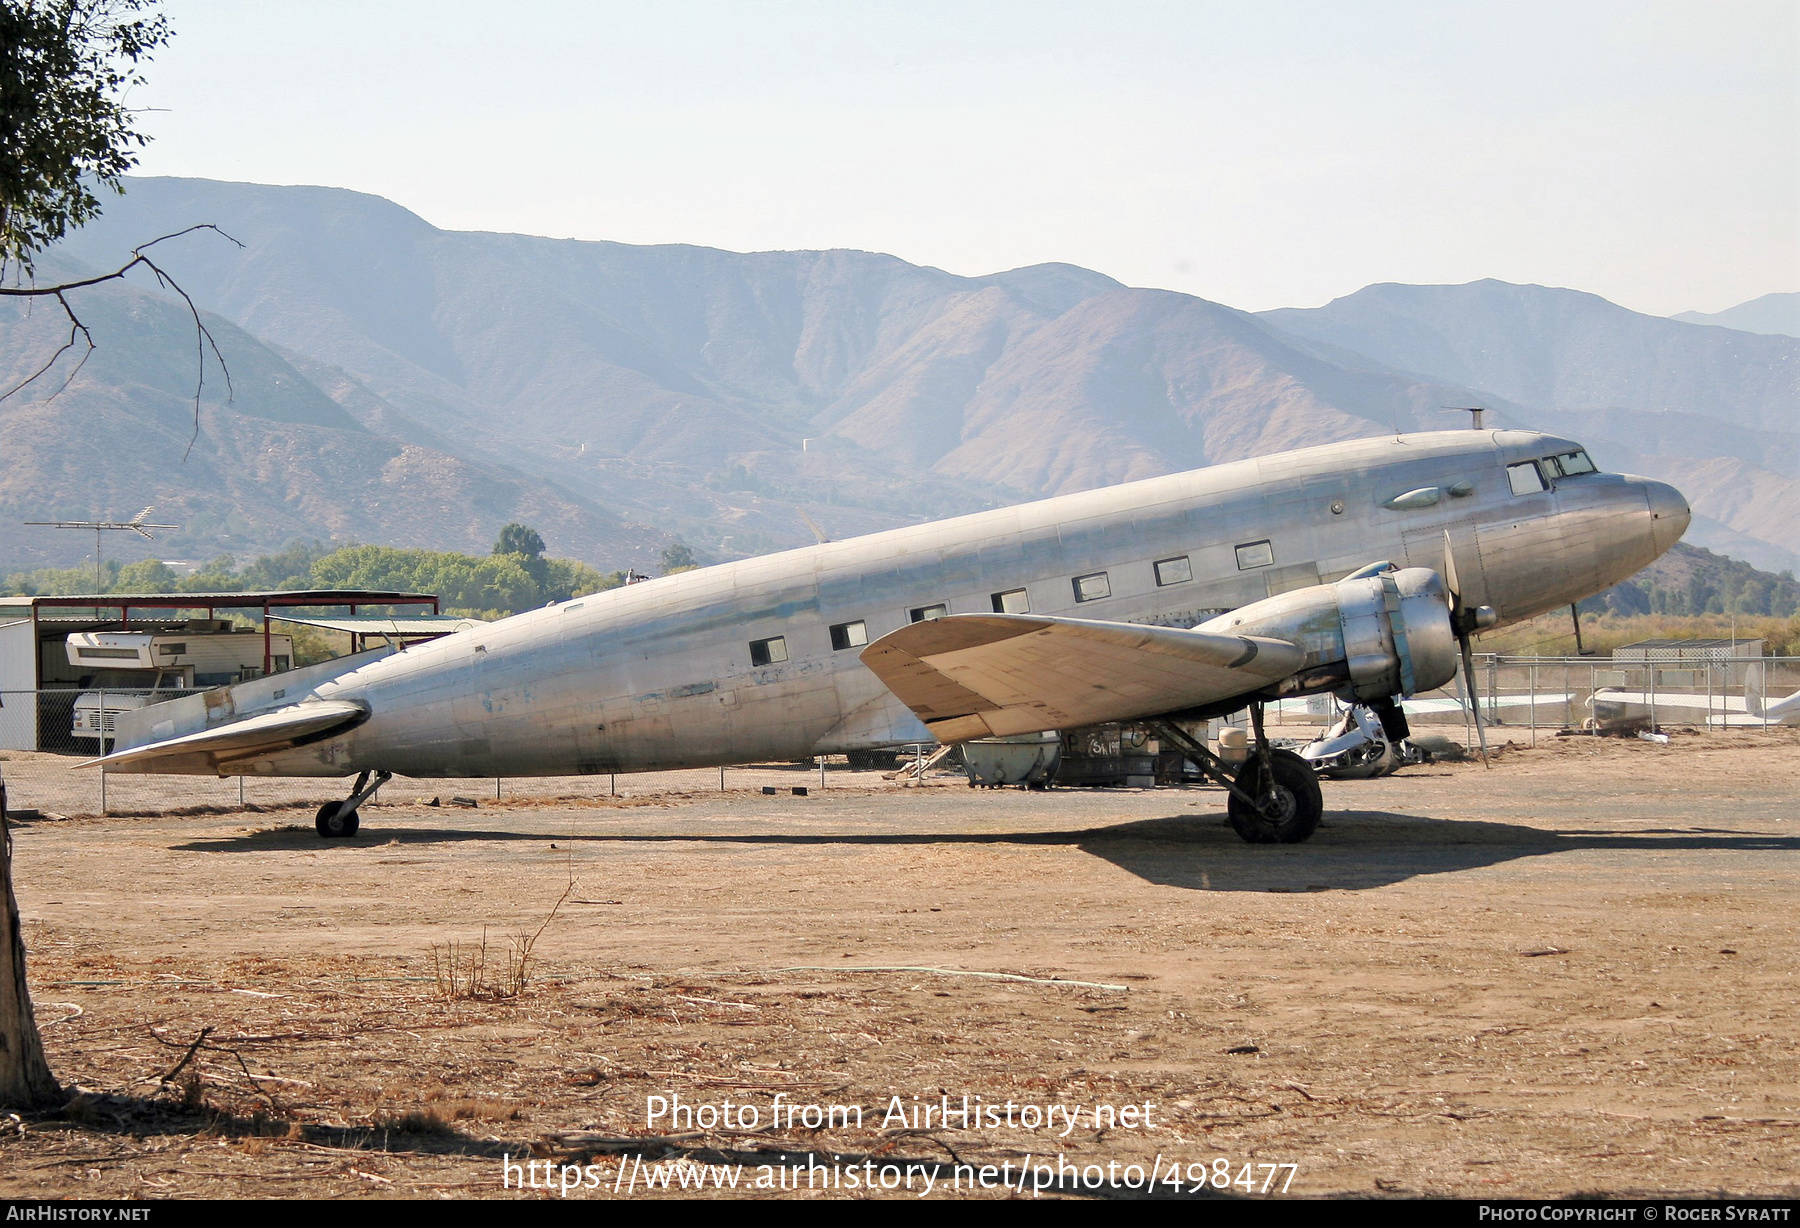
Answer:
(1275, 797)
(338, 819)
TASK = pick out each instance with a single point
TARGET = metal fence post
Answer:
(1534, 703)
(1463, 694)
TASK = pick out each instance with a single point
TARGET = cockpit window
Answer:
(1525, 478)
(1574, 464)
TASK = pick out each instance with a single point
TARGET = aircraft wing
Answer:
(208, 749)
(987, 675)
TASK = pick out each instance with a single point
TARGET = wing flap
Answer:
(981, 675)
(211, 748)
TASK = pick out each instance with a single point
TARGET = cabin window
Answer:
(849, 635)
(173, 650)
(1525, 478)
(1174, 571)
(926, 613)
(768, 652)
(121, 654)
(1574, 464)
(1092, 587)
(1255, 554)
(1012, 601)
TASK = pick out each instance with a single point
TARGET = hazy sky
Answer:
(1260, 154)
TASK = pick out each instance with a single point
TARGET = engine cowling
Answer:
(1374, 635)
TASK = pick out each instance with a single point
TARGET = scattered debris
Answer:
(467, 802)
(1244, 1049)
(1533, 951)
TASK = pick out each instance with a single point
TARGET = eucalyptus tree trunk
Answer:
(25, 1078)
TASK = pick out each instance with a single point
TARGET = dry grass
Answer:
(461, 969)
(1553, 635)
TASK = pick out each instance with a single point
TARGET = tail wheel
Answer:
(1290, 803)
(331, 824)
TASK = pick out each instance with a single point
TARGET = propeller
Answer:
(1465, 621)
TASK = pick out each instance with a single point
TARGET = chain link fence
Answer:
(45, 734)
(1534, 695)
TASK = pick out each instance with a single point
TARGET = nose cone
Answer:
(1669, 514)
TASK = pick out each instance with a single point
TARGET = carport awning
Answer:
(382, 624)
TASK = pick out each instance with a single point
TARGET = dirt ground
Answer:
(1572, 972)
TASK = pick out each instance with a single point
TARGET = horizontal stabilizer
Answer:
(989, 675)
(1782, 710)
(254, 735)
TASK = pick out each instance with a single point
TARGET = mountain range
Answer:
(1772, 313)
(398, 383)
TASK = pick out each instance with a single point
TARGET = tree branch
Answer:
(78, 331)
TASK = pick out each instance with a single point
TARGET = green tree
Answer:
(518, 538)
(145, 576)
(677, 557)
(65, 66)
(493, 585)
(521, 543)
(566, 578)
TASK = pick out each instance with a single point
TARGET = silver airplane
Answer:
(1361, 568)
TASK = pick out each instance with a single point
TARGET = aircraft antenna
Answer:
(137, 524)
(1474, 412)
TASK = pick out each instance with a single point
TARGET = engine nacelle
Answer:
(1379, 635)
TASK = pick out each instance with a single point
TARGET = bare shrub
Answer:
(460, 970)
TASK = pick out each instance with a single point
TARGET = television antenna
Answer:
(1474, 412)
(137, 524)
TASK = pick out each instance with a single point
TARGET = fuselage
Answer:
(757, 660)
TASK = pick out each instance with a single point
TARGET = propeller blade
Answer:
(1450, 581)
(1468, 662)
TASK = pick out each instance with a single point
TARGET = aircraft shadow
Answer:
(1355, 850)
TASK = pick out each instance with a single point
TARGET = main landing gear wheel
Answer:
(338, 819)
(1289, 801)
(331, 824)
